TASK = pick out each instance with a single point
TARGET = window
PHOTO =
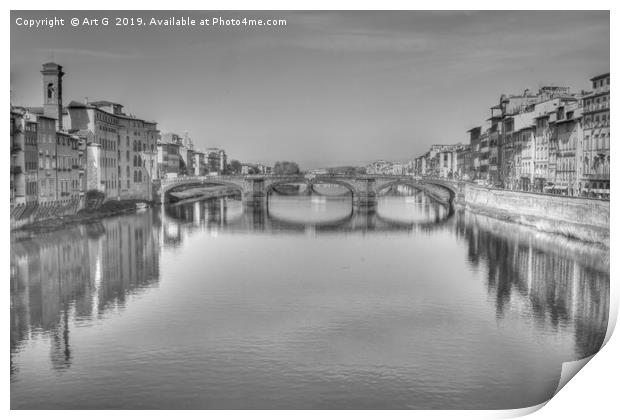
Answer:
(50, 91)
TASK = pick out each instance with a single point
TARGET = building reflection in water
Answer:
(561, 284)
(77, 275)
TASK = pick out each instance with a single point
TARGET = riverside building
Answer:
(594, 160)
(553, 141)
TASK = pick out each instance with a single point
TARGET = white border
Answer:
(593, 394)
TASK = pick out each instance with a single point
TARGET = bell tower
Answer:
(52, 92)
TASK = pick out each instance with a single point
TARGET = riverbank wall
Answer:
(581, 218)
(54, 215)
(29, 213)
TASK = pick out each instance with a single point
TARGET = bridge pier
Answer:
(254, 192)
(365, 201)
(365, 195)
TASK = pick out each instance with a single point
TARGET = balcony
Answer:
(596, 177)
(591, 125)
(604, 106)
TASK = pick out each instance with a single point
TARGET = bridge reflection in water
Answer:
(74, 308)
(319, 213)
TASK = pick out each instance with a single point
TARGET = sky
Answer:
(329, 88)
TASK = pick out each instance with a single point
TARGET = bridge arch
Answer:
(271, 184)
(439, 191)
(352, 188)
(408, 182)
(185, 182)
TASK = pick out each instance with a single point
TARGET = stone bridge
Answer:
(364, 189)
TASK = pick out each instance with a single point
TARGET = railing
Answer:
(603, 177)
(596, 107)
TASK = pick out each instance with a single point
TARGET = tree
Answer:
(94, 199)
(286, 168)
(234, 167)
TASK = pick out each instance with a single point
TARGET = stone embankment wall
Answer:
(581, 218)
(24, 214)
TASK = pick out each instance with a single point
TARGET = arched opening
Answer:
(329, 189)
(297, 186)
(413, 203)
(296, 202)
(50, 91)
(198, 191)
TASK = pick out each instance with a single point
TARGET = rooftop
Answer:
(599, 77)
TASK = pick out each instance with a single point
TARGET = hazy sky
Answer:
(330, 88)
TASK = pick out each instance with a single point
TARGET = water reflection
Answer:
(76, 275)
(561, 285)
(564, 283)
(300, 213)
(338, 324)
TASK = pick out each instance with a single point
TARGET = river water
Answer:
(304, 304)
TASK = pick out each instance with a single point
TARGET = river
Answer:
(304, 304)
